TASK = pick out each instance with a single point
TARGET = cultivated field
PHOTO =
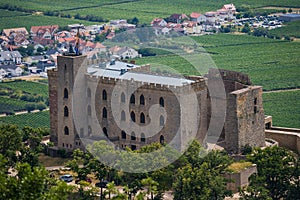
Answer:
(9, 20)
(144, 10)
(274, 64)
(17, 95)
(284, 107)
(291, 29)
(35, 120)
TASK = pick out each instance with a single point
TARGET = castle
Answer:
(85, 105)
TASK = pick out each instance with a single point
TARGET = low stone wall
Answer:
(240, 179)
(287, 138)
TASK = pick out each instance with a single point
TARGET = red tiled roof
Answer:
(7, 32)
(36, 29)
(195, 15)
(98, 45)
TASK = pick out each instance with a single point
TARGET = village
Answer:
(34, 51)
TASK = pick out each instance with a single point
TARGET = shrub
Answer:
(30, 107)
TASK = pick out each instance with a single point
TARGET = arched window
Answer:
(66, 130)
(104, 113)
(161, 120)
(89, 110)
(123, 135)
(66, 111)
(132, 115)
(65, 67)
(123, 116)
(132, 99)
(89, 130)
(88, 92)
(142, 118)
(143, 138)
(162, 139)
(104, 95)
(66, 94)
(123, 97)
(133, 136)
(161, 102)
(105, 131)
(142, 100)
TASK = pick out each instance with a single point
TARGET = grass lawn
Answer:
(237, 167)
(48, 161)
(284, 107)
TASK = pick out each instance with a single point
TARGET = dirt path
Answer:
(280, 8)
(287, 90)
(24, 112)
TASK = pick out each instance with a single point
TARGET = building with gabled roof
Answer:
(8, 32)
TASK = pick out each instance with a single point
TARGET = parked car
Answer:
(101, 184)
(67, 178)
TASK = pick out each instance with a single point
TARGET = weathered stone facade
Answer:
(86, 110)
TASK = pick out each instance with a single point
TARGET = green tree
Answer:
(134, 20)
(30, 107)
(201, 177)
(151, 186)
(260, 31)
(276, 168)
(10, 142)
(290, 10)
(246, 28)
(111, 189)
(41, 106)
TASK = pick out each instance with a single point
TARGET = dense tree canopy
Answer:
(277, 177)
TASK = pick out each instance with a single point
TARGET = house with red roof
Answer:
(43, 31)
(178, 18)
(158, 22)
(230, 8)
(197, 17)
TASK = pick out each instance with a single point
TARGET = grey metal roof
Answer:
(7, 55)
(117, 65)
(115, 72)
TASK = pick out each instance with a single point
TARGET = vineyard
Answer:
(22, 95)
(11, 105)
(35, 20)
(284, 108)
(292, 29)
(27, 87)
(270, 63)
(35, 120)
(144, 10)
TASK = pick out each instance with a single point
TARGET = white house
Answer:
(127, 52)
(211, 17)
(12, 69)
(159, 22)
(7, 57)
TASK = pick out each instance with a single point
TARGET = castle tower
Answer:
(61, 83)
